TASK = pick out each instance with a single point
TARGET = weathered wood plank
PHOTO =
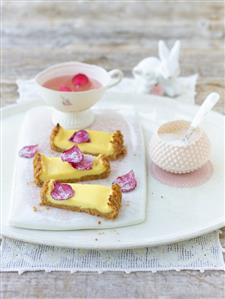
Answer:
(116, 10)
(138, 285)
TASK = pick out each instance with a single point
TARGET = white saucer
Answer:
(172, 214)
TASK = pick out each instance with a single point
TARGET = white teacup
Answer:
(72, 109)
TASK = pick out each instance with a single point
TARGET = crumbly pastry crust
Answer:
(117, 142)
(37, 166)
(114, 202)
(54, 133)
(119, 150)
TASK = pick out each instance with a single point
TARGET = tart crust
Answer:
(118, 146)
(114, 201)
(37, 167)
(117, 143)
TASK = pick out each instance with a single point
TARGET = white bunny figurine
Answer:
(170, 68)
(171, 83)
(152, 71)
(146, 74)
(163, 74)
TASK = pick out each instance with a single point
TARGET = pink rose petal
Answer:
(127, 182)
(64, 88)
(72, 155)
(85, 164)
(28, 151)
(81, 136)
(80, 80)
(62, 191)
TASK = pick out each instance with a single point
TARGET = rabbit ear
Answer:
(175, 51)
(163, 51)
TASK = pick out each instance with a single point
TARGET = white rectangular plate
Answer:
(36, 129)
(180, 214)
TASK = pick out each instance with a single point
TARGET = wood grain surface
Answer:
(114, 34)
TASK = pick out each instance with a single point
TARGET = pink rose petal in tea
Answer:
(127, 182)
(80, 80)
(28, 151)
(81, 136)
(62, 191)
(64, 88)
(72, 155)
(85, 164)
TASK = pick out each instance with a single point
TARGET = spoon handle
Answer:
(208, 104)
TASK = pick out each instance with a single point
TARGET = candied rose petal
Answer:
(64, 88)
(80, 80)
(62, 191)
(85, 164)
(72, 155)
(28, 151)
(127, 182)
(81, 136)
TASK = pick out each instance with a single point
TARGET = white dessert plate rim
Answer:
(122, 237)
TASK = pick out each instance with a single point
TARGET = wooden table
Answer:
(117, 34)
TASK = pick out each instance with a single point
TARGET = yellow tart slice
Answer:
(96, 200)
(109, 144)
(46, 168)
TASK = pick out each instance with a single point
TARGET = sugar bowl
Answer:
(170, 151)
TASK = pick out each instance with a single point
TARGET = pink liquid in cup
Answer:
(68, 84)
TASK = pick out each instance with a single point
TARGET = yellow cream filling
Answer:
(85, 197)
(55, 168)
(100, 142)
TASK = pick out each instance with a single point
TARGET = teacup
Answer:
(179, 156)
(72, 109)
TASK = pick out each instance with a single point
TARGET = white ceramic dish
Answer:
(172, 214)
